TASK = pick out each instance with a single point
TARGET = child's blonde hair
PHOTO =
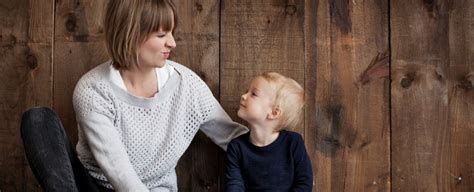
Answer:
(128, 23)
(289, 99)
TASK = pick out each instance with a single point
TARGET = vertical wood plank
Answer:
(456, 172)
(259, 36)
(78, 48)
(197, 39)
(432, 48)
(25, 62)
(347, 118)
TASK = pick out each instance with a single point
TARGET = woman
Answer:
(138, 112)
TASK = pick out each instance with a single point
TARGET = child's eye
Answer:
(254, 94)
(161, 35)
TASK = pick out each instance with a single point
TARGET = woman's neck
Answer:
(262, 136)
(140, 81)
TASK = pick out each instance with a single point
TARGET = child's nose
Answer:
(244, 96)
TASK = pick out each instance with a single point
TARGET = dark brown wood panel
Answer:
(259, 36)
(347, 67)
(457, 158)
(78, 48)
(26, 81)
(197, 39)
(432, 48)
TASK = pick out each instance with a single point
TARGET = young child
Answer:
(269, 157)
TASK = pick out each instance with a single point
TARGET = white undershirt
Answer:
(163, 74)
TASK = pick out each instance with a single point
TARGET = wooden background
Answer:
(390, 83)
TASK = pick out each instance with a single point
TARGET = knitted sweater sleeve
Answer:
(95, 117)
(217, 125)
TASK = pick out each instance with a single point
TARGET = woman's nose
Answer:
(170, 42)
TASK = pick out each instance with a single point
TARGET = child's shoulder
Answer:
(293, 138)
(240, 139)
(293, 135)
(239, 143)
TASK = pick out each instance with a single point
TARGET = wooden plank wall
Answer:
(432, 95)
(347, 132)
(390, 84)
(26, 42)
(197, 46)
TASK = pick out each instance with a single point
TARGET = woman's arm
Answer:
(217, 125)
(220, 128)
(95, 119)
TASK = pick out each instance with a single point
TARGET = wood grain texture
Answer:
(347, 118)
(339, 50)
(78, 48)
(457, 160)
(432, 96)
(197, 39)
(259, 36)
(26, 81)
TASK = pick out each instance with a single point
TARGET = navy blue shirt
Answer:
(282, 165)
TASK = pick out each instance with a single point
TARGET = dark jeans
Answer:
(51, 156)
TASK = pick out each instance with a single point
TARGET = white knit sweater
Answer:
(134, 143)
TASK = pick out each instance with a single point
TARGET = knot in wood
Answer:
(467, 82)
(406, 81)
(31, 61)
(290, 9)
(71, 23)
(198, 7)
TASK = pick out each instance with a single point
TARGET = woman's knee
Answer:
(39, 119)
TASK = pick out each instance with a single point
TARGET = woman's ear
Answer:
(275, 113)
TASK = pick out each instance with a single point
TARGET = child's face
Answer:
(257, 102)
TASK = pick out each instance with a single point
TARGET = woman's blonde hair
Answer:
(289, 99)
(128, 23)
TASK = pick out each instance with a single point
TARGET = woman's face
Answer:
(156, 49)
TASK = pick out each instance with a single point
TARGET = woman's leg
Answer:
(50, 154)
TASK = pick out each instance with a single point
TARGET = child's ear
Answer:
(275, 113)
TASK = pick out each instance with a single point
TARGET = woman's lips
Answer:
(166, 54)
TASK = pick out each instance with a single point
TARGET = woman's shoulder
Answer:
(190, 79)
(96, 74)
(92, 92)
(93, 81)
(182, 70)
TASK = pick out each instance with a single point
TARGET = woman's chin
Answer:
(160, 65)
